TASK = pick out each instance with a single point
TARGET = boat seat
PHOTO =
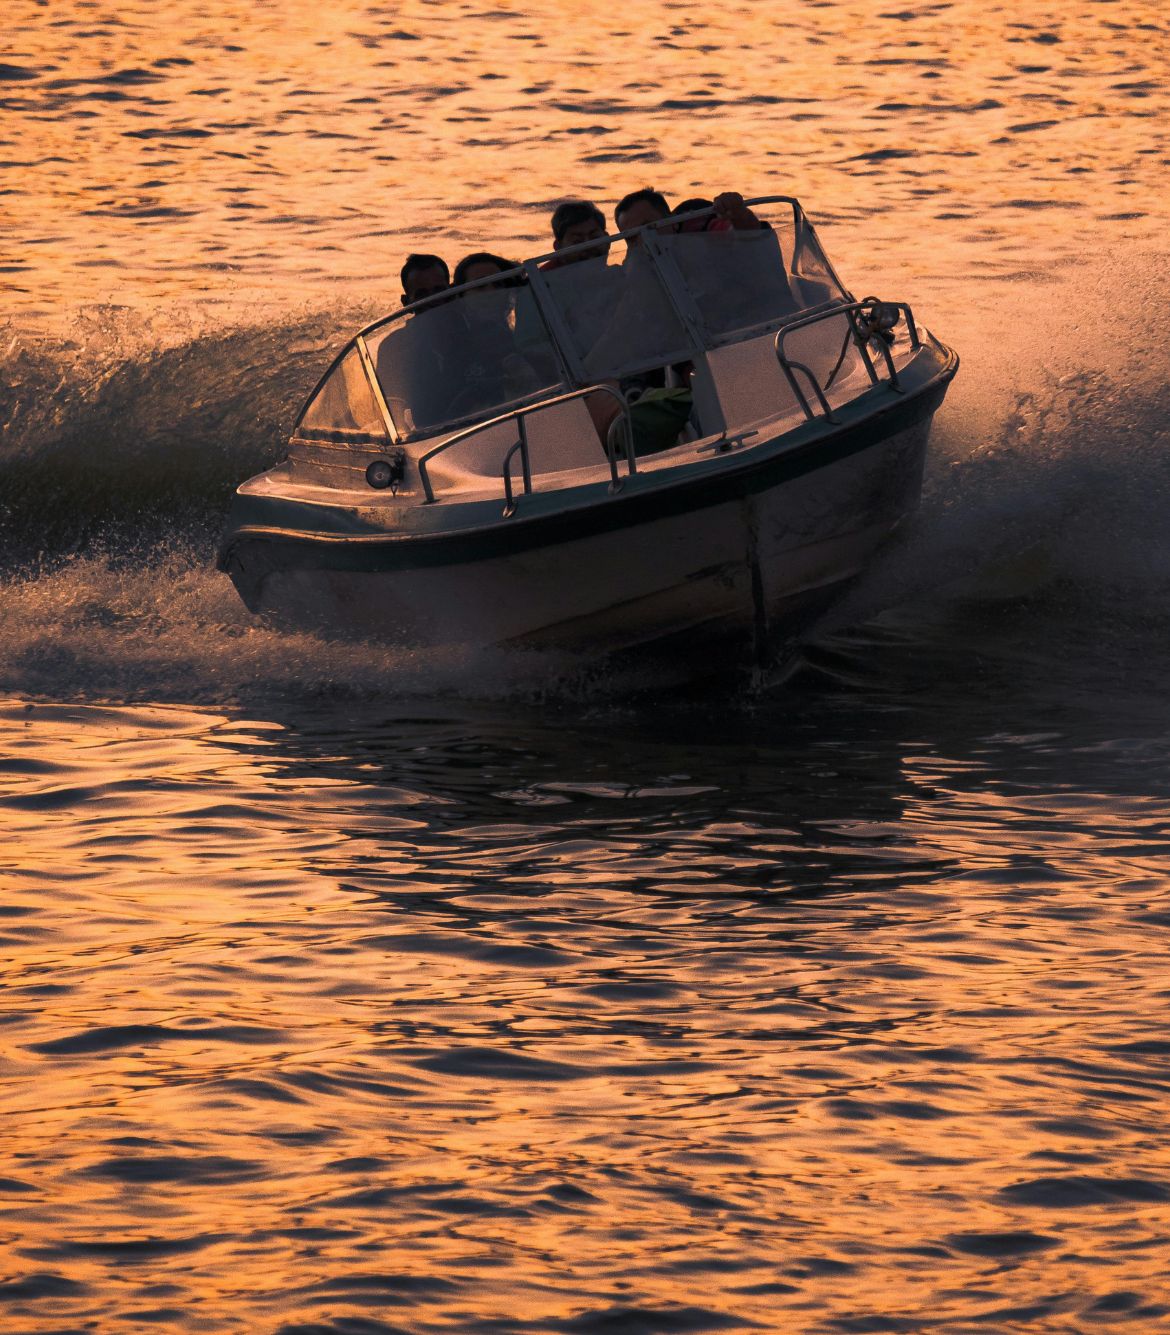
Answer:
(560, 438)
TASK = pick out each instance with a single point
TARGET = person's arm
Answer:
(730, 206)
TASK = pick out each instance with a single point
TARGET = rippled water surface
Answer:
(351, 990)
(272, 149)
(840, 1013)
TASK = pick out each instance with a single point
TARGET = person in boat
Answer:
(522, 328)
(644, 206)
(706, 224)
(482, 264)
(574, 222)
(639, 208)
(423, 276)
(661, 399)
(433, 361)
(499, 336)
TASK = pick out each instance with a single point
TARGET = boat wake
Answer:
(121, 432)
(1047, 490)
(1066, 492)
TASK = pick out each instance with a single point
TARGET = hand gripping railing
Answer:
(870, 321)
(518, 415)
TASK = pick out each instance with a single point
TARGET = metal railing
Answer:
(520, 416)
(868, 323)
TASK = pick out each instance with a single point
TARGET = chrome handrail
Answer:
(525, 465)
(518, 415)
(863, 334)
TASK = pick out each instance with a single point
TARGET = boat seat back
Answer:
(751, 386)
(560, 438)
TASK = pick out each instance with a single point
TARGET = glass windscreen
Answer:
(617, 314)
(344, 405)
(737, 279)
(470, 356)
(812, 278)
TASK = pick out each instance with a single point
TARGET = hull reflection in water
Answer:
(712, 436)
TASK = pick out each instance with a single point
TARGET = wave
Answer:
(1069, 488)
(112, 433)
(1050, 461)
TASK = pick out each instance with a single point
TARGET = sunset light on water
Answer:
(356, 987)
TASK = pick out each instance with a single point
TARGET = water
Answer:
(352, 990)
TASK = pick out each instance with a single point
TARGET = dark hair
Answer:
(484, 257)
(574, 211)
(636, 197)
(703, 223)
(415, 263)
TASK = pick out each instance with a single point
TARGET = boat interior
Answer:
(646, 350)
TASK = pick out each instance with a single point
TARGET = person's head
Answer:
(481, 265)
(577, 221)
(640, 207)
(423, 276)
(692, 224)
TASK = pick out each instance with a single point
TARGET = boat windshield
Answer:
(659, 298)
(618, 316)
(344, 407)
(737, 279)
(473, 354)
(740, 280)
(654, 301)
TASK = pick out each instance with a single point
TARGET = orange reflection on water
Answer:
(313, 1035)
(291, 1034)
(240, 151)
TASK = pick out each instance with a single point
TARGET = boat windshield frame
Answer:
(573, 376)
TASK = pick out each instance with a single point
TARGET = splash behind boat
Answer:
(471, 468)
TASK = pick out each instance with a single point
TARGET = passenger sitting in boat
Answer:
(733, 214)
(482, 265)
(639, 208)
(498, 344)
(524, 332)
(648, 206)
(707, 224)
(573, 223)
(423, 276)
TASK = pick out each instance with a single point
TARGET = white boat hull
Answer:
(742, 564)
(683, 434)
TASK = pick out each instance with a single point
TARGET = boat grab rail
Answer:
(519, 416)
(871, 321)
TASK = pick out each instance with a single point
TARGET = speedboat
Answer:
(663, 435)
